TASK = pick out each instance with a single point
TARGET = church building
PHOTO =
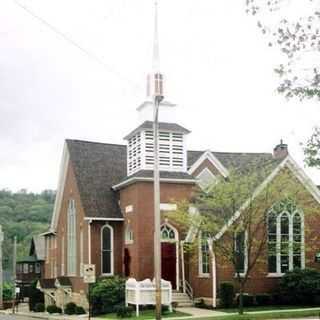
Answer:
(104, 211)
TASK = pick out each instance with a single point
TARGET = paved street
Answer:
(12, 317)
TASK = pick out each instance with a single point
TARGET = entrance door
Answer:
(168, 262)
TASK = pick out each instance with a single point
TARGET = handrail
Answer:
(189, 290)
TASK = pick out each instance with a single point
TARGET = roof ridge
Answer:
(96, 142)
(230, 152)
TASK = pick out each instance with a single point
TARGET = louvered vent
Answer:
(172, 153)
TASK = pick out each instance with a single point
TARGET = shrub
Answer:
(263, 299)
(123, 312)
(226, 294)
(79, 310)
(53, 309)
(248, 300)
(70, 308)
(106, 293)
(300, 286)
(35, 296)
(7, 291)
(39, 307)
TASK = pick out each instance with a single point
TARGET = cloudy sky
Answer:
(77, 69)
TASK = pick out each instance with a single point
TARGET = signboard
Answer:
(89, 273)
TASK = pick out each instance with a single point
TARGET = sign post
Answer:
(89, 276)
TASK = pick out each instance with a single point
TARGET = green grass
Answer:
(146, 314)
(270, 315)
(262, 308)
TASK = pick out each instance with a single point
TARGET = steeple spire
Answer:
(156, 54)
(155, 78)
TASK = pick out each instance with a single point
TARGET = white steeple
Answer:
(155, 83)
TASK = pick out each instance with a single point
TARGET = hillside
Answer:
(23, 214)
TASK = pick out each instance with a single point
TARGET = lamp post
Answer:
(1, 270)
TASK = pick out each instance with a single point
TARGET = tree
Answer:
(293, 26)
(312, 149)
(232, 217)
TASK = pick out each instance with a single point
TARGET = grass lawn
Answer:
(146, 314)
(265, 308)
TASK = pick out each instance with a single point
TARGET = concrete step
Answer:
(182, 299)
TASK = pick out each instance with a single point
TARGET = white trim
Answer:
(176, 242)
(214, 273)
(295, 169)
(111, 250)
(102, 219)
(89, 241)
(141, 179)
(168, 207)
(81, 253)
(213, 159)
(60, 190)
(129, 208)
(199, 179)
(201, 274)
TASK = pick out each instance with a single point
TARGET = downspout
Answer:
(89, 241)
(214, 273)
(182, 267)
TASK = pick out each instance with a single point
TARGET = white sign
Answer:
(17, 290)
(89, 273)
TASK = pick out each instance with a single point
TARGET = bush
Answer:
(300, 286)
(263, 299)
(226, 294)
(53, 309)
(123, 312)
(35, 296)
(248, 300)
(7, 291)
(70, 308)
(106, 293)
(79, 310)
(39, 307)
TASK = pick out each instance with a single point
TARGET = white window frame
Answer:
(111, 250)
(72, 239)
(37, 268)
(200, 259)
(206, 187)
(243, 274)
(278, 273)
(25, 268)
(129, 237)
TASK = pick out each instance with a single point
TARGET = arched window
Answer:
(285, 238)
(72, 241)
(167, 233)
(107, 250)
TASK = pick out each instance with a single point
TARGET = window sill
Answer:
(107, 274)
(275, 275)
(242, 275)
(128, 242)
(205, 276)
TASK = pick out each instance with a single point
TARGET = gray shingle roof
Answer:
(163, 175)
(97, 168)
(47, 283)
(165, 126)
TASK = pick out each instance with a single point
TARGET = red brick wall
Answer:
(140, 196)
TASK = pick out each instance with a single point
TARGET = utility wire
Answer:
(88, 53)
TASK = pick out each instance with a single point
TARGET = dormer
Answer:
(172, 148)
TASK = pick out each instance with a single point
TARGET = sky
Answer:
(77, 69)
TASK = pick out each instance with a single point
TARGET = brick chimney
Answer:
(280, 151)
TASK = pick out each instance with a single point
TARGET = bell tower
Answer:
(172, 136)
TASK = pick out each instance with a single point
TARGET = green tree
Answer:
(232, 216)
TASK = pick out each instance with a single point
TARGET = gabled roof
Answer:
(97, 167)
(164, 126)
(38, 247)
(46, 283)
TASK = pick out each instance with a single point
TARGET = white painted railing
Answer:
(143, 293)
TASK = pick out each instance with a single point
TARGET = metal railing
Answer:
(188, 289)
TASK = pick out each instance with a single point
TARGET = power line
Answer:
(88, 53)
